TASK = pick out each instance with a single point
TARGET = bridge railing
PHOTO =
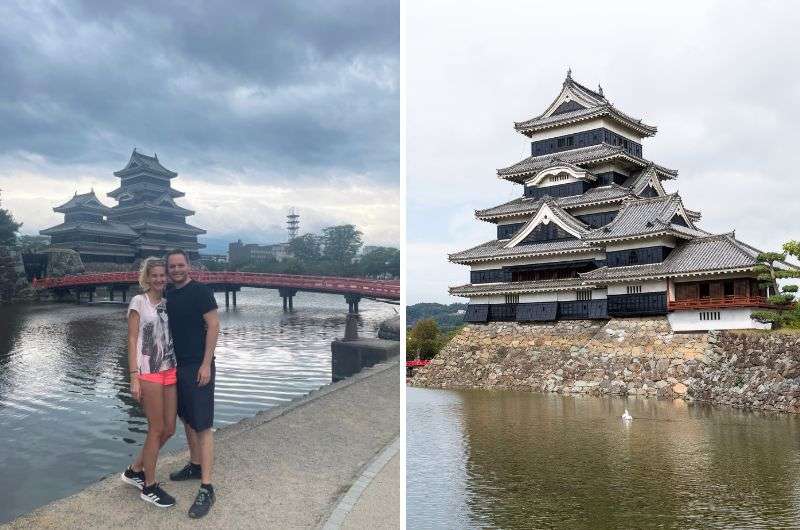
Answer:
(380, 288)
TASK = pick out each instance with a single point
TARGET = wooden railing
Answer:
(719, 302)
(389, 289)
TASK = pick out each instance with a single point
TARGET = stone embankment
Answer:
(634, 356)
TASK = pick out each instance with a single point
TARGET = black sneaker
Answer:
(202, 503)
(155, 495)
(134, 478)
(189, 471)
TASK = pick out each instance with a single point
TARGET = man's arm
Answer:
(212, 332)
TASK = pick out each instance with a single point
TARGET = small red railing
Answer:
(417, 363)
(389, 289)
(720, 302)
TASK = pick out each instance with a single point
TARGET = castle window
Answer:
(584, 295)
(560, 142)
(634, 289)
(633, 257)
(570, 141)
(512, 298)
(710, 315)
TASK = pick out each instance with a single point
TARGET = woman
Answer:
(151, 360)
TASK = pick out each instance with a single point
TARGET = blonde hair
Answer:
(144, 271)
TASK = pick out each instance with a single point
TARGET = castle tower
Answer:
(86, 231)
(595, 235)
(146, 202)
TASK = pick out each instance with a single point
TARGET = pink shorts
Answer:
(167, 377)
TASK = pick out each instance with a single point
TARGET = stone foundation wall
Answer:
(633, 356)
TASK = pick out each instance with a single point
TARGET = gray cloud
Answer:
(719, 79)
(278, 90)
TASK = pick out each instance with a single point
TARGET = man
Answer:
(194, 324)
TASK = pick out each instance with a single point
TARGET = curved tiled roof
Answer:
(639, 217)
(139, 161)
(104, 227)
(594, 105)
(522, 205)
(84, 200)
(495, 249)
(592, 154)
(540, 123)
(519, 287)
(704, 255)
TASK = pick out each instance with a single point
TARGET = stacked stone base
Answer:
(635, 356)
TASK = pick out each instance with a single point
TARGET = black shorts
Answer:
(195, 403)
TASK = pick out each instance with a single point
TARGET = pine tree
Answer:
(785, 312)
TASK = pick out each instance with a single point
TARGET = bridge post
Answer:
(288, 298)
(125, 294)
(352, 302)
(91, 295)
(78, 296)
(234, 299)
(227, 298)
(111, 293)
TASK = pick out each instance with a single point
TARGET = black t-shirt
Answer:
(185, 309)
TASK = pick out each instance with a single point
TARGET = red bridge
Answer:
(287, 285)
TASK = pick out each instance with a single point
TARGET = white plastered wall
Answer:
(647, 287)
(641, 243)
(587, 126)
(737, 318)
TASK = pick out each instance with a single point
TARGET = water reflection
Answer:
(533, 461)
(66, 415)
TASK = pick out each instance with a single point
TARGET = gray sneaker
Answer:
(189, 471)
(202, 503)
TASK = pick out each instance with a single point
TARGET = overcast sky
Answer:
(721, 80)
(258, 106)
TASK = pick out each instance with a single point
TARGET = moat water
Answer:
(494, 459)
(66, 415)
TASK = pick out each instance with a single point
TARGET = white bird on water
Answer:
(626, 416)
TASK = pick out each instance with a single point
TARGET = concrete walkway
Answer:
(288, 467)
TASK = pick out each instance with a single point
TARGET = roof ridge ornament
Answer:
(600, 91)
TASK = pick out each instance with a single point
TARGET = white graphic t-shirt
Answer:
(154, 352)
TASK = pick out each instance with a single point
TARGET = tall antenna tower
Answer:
(293, 223)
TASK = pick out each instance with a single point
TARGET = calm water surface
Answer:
(66, 415)
(480, 459)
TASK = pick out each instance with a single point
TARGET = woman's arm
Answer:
(133, 365)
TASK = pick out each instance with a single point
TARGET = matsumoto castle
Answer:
(146, 221)
(596, 236)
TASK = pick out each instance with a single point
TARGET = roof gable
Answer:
(549, 212)
(560, 168)
(573, 96)
(641, 217)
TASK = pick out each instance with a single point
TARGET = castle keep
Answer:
(595, 235)
(146, 221)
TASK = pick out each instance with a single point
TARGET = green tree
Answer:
(784, 312)
(306, 248)
(32, 244)
(340, 246)
(769, 271)
(423, 340)
(8, 227)
(382, 260)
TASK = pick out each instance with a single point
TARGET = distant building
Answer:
(240, 253)
(145, 222)
(214, 258)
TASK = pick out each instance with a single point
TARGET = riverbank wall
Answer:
(293, 466)
(632, 356)
(14, 285)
